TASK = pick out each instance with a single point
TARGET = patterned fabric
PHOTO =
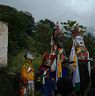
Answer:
(82, 53)
(60, 59)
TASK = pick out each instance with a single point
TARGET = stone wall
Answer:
(3, 44)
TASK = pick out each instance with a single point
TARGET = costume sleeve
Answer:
(23, 72)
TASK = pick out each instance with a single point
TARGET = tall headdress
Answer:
(78, 30)
(54, 34)
(56, 30)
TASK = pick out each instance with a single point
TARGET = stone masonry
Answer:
(3, 44)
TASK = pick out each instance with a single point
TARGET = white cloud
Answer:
(58, 10)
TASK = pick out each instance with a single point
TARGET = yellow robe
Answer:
(27, 71)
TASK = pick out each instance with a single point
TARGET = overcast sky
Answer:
(57, 10)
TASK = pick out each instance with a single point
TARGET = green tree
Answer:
(20, 26)
(44, 29)
(90, 44)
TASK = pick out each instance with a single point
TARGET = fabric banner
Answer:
(73, 57)
(59, 69)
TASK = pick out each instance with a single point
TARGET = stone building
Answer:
(3, 43)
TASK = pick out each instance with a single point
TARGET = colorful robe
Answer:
(81, 73)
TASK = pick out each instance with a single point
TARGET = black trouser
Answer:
(84, 76)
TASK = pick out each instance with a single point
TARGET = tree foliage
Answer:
(44, 29)
(90, 44)
(20, 25)
(25, 34)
